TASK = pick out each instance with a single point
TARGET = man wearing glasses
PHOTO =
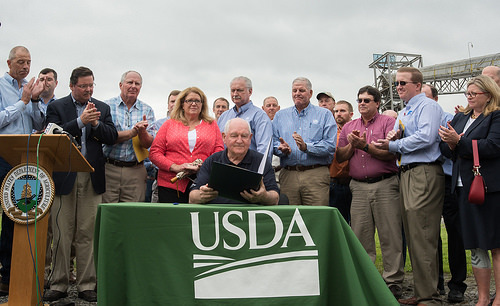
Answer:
(374, 186)
(78, 193)
(415, 137)
(125, 173)
(262, 131)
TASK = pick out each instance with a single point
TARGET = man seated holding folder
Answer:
(237, 137)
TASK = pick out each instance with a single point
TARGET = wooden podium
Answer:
(56, 153)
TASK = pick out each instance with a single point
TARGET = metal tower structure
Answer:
(384, 71)
(448, 78)
(452, 77)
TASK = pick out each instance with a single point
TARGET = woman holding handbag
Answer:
(479, 121)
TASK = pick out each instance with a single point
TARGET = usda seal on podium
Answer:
(27, 193)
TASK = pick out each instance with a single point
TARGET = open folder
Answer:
(230, 180)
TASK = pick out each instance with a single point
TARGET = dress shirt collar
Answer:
(304, 111)
(125, 104)
(371, 120)
(78, 103)
(413, 100)
(50, 100)
(14, 81)
(243, 108)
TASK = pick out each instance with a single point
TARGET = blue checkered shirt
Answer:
(125, 119)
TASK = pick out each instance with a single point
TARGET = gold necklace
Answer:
(473, 116)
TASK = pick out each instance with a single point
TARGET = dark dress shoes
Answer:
(455, 296)
(54, 295)
(88, 295)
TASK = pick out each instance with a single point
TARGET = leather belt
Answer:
(371, 180)
(340, 180)
(302, 168)
(120, 163)
(404, 168)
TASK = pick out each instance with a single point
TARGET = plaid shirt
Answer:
(125, 119)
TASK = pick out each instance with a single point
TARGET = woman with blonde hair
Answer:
(188, 135)
(480, 121)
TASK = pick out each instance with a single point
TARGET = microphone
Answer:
(54, 129)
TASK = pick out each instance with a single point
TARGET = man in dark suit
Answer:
(78, 193)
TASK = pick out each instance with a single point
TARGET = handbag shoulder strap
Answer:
(475, 153)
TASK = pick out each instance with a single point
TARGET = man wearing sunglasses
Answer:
(374, 186)
(415, 137)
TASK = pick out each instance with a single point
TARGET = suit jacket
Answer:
(63, 113)
(487, 132)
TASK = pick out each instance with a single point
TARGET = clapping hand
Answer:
(90, 115)
(284, 147)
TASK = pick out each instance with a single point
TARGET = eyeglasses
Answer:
(192, 101)
(402, 83)
(473, 94)
(364, 100)
(85, 86)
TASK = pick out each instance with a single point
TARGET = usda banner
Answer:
(168, 254)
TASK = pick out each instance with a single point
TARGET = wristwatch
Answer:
(365, 148)
(35, 100)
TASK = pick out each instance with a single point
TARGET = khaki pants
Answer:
(310, 187)
(125, 184)
(377, 206)
(76, 210)
(422, 193)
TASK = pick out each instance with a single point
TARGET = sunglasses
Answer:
(364, 100)
(402, 83)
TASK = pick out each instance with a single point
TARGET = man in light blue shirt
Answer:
(19, 114)
(415, 137)
(49, 77)
(304, 138)
(125, 174)
(262, 131)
